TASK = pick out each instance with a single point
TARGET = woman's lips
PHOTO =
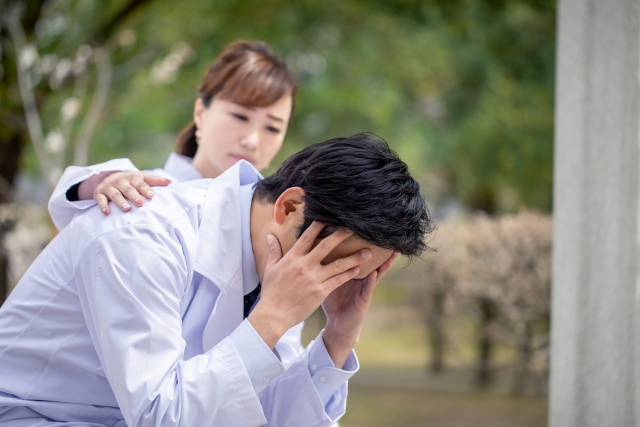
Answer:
(239, 157)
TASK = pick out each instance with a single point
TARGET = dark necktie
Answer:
(251, 299)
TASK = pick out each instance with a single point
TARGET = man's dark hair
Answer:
(360, 184)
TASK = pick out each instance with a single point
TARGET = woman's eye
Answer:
(272, 129)
(240, 117)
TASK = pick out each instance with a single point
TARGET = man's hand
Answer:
(295, 285)
(115, 186)
(346, 308)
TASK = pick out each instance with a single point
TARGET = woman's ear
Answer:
(198, 111)
(289, 207)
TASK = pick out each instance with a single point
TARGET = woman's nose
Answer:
(251, 140)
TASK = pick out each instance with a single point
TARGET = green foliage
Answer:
(462, 89)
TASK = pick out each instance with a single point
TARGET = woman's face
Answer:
(230, 132)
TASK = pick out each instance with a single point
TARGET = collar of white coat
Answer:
(181, 168)
(220, 239)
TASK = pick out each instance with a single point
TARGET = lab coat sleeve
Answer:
(130, 283)
(290, 345)
(259, 360)
(311, 392)
(61, 209)
(330, 382)
(334, 380)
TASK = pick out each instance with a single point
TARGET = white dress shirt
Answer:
(136, 319)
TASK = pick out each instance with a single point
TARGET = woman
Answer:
(242, 112)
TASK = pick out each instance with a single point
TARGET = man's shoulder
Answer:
(177, 205)
(178, 197)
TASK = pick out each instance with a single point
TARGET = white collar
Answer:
(181, 168)
(220, 232)
(221, 249)
(250, 276)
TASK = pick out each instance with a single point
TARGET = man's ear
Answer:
(198, 110)
(289, 206)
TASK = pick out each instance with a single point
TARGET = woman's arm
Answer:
(116, 186)
(74, 191)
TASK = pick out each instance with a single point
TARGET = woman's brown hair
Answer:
(247, 73)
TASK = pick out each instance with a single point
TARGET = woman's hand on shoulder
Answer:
(118, 187)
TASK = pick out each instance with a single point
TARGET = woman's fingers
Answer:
(155, 181)
(144, 183)
(142, 188)
(102, 195)
(117, 198)
(103, 203)
(130, 185)
(130, 192)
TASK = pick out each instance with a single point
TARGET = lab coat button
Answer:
(314, 367)
(323, 379)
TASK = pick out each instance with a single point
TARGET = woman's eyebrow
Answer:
(278, 119)
(271, 116)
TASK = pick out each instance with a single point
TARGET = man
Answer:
(137, 319)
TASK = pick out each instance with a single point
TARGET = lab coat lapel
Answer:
(226, 315)
(219, 257)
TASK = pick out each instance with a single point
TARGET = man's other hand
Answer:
(346, 308)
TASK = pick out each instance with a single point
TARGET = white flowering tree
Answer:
(51, 145)
(78, 83)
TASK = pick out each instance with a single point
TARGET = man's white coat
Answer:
(130, 320)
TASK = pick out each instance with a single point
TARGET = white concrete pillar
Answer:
(595, 344)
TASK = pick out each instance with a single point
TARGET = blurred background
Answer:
(461, 89)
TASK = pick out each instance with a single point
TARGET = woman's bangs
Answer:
(257, 83)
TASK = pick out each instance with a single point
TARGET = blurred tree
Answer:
(432, 295)
(499, 269)
(25, 26)
(495, 146)
(56, 28)
(499, 152)
(462, 89)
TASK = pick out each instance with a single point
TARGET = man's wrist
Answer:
(267, 324)
(338, 346)
(340, 339)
